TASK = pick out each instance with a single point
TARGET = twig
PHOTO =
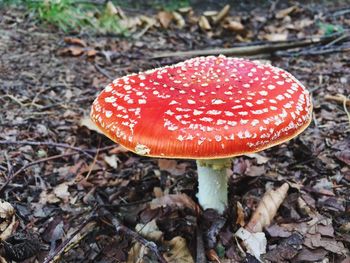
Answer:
(103, 72)
(13, 175)
(53, 144)
(61, 248)
(345, 107)
(267, 47)
(338, 98)
(135, 236)
(121, 229)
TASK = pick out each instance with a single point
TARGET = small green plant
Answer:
(330, 29)
(73, 16)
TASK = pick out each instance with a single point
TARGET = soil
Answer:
(65, 180)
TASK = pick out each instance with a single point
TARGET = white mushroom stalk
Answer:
(212, 183)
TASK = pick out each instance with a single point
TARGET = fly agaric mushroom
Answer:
(206, 108)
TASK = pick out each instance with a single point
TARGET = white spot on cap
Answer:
(214, 112)
(173, 102)
(263, 93)
(110, 99)
(191, 102)
(217, 101)
(197, 112)
(109, 88)
(108, 114)
(142, 101)
(255, 122)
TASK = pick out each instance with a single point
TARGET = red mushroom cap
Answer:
(203, 108)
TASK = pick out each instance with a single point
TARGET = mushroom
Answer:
(206, 108)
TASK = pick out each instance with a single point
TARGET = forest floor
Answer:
(79, 197)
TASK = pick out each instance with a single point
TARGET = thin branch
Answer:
(59, 145)
(268, 47)
(12, 175)
(61, 248)
(338, 98)
(51, 144)
(120, 228)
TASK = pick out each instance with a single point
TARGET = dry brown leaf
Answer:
(221, 15)
(171, 166)
(267, 209)
(74, 51)
(178, 251)
(259, 158)
(75, 41)
(210, 13)
(276, 36)
(240, 214)
(150, 231)
(204, 23)
(234, 26)
(61, 191)
(165, 18)
(8, 220)
(91, 52)
(112, 160)
(180, 21)
(179, 200)
(284, 12)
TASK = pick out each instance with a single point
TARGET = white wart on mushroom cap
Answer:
(203, 108)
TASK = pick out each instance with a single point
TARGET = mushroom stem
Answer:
(212, 183)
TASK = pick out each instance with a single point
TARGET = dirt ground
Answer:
(78, 197)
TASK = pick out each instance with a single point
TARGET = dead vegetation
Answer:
(79, 197)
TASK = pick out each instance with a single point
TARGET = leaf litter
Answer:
(48, 81)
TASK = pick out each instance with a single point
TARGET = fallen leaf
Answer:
(240, 214)
(61, 191)
(172, 166)
(255, 170)
(112, 160)
(75, 41)
(330, 244)
(310, 255)
(234, 26)
(178, 200)
(285, 250)
(267, 208)
(204, 23)
(165, 18)
(259, 158)
(255, 243)
(150, 231)
(74, 51)
(178, 251)
(91, 52)
(284, 12)
(277, 231)
(276, 36)
(221, 15)
(180, 21)
(344, 156)
(8, 220)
